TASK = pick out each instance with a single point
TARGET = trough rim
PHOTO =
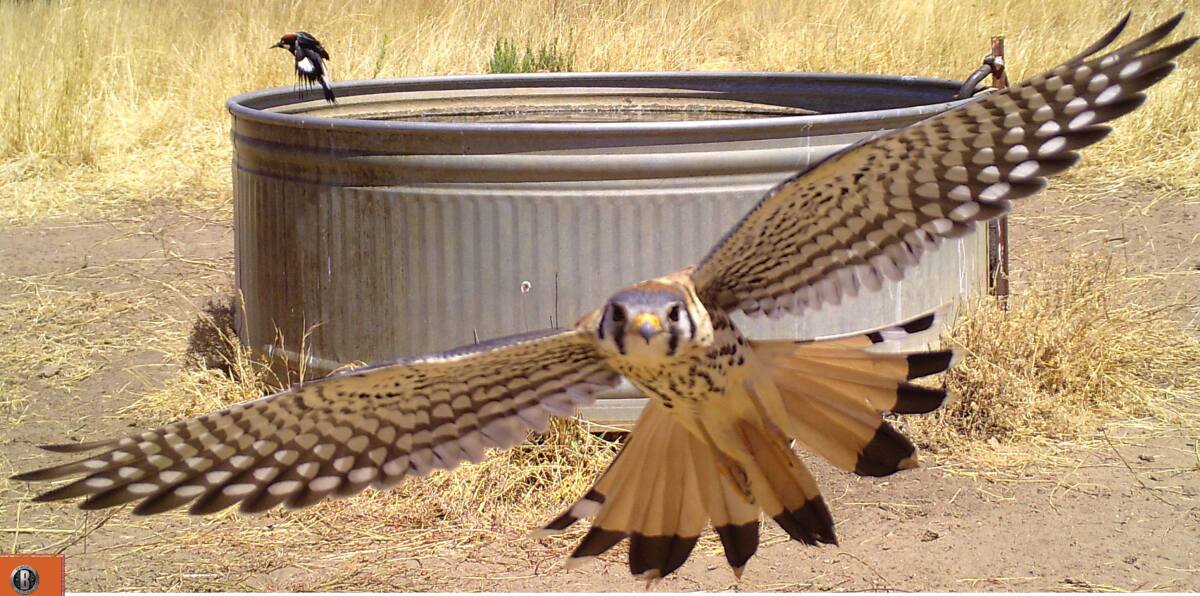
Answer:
(253, 105)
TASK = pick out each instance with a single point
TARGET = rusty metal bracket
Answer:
(997, 229)
(993, 64)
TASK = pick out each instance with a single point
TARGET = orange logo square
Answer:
(32, 575)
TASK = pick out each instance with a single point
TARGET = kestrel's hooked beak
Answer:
(648, 325)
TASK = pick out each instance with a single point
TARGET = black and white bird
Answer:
(310, 60)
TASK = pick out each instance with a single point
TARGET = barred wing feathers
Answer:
(334, 437)
(871, 211)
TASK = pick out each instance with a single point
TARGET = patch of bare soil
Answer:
(1157, 240)
(109, 306)
(106, 306)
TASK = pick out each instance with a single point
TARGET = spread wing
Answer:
(336, 436)
(311, 42)
(871, 210)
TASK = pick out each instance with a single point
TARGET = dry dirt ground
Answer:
(1122, 513)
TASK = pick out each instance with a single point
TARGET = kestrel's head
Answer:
(652, 320)
(287, 41)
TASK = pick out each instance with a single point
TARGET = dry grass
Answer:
(111, 104)
(1076, 349)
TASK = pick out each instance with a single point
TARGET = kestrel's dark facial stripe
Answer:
(603, 320)
(619, 318)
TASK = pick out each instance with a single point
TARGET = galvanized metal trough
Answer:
(426, 213)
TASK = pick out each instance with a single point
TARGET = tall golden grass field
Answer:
(110, 104)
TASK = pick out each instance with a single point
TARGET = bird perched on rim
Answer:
(310, 57)
(710, 448)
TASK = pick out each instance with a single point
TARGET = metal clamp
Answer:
(992, 65)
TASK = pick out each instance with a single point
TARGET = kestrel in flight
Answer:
(711, 446)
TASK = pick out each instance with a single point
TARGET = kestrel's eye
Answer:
(673, 314)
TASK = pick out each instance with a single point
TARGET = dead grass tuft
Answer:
(209, 344)
(1074, 350)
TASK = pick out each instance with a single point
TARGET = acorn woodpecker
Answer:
(310, 56)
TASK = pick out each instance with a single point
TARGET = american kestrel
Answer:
(711, 446)
(310, 58)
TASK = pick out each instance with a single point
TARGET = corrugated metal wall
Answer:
(387, 239)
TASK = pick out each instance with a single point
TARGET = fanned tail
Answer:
(834, 392)
(667, 484)
(783, 486)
